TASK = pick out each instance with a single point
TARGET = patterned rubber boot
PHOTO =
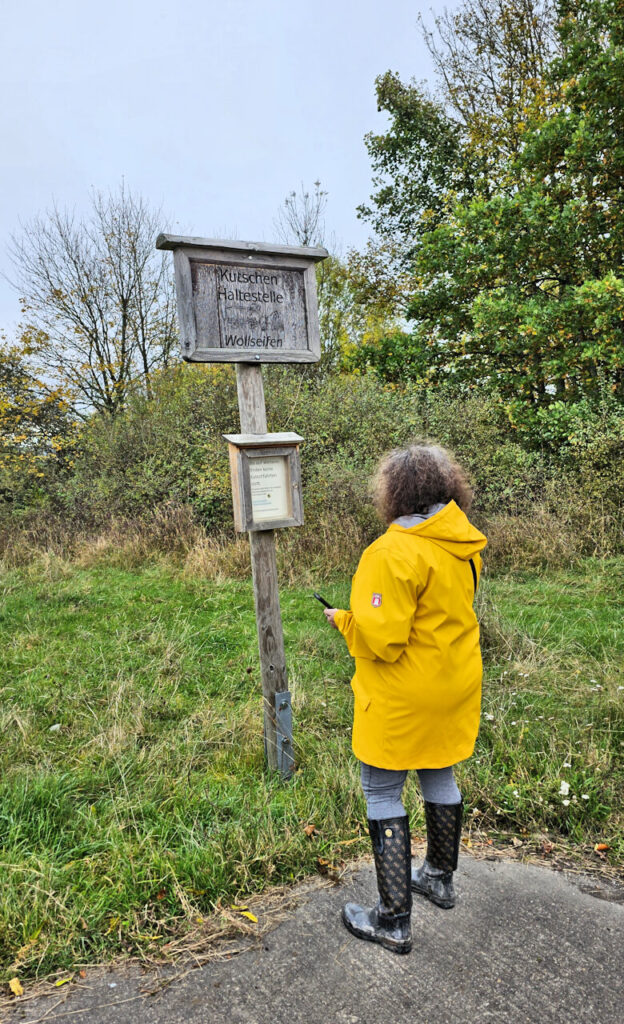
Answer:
(389, 921)
(435, 878)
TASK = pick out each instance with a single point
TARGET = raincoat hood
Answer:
(451, 530)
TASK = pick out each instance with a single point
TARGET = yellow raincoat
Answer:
(415, 639)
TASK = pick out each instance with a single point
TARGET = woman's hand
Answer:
(329, 614)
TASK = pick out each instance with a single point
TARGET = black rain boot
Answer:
(389, 921)
(435, 878)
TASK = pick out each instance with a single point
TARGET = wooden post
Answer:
(220, 323)
(264, 568)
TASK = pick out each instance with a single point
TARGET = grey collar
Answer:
(408, 521)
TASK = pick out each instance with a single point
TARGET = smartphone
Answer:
(322, 600)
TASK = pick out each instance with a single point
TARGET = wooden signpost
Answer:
(251, 303)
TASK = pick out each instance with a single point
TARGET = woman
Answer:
(417, 684)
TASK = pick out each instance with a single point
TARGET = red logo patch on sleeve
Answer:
(376, 600)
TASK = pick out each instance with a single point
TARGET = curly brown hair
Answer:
(410, 480)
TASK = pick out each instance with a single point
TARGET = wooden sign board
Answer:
(245, 301)
(266, 481)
